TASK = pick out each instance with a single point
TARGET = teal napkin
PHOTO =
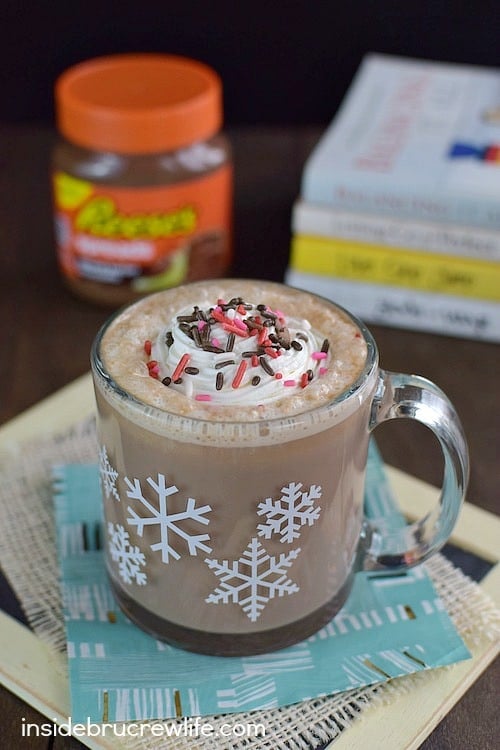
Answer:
(392, 625)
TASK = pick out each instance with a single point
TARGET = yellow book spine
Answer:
(402, 267)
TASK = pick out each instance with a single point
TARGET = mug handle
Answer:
(414, 397)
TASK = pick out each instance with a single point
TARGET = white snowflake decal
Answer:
(109, 475)
(168, 523)
(130, 559)
(287, 515)
(252, 580)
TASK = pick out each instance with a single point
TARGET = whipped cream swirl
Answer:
(237, 353)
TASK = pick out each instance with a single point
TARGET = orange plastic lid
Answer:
(138, 103)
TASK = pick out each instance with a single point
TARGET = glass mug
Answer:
(233, 538)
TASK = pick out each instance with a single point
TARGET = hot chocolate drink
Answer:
(233, 429)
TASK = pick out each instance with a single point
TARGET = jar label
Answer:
(147, 238)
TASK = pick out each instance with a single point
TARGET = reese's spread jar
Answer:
(142, 178)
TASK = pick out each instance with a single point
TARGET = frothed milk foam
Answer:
(275, 479)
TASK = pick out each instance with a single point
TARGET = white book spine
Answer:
(405, 308)
(463, 241)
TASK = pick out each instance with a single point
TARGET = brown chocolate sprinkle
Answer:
(296, 345)
(169, 339)
(197, 336)
(284, 337)
(302, 336)
(191, 370)
(214, 349)
(266, 366)
(219, 380)
(178, 381)
(230, 342)
(187, 318)
(325, 346)
(310, 375)
(225, 363)
(167, 380)
(255, 380)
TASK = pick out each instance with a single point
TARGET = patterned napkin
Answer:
(392, 625)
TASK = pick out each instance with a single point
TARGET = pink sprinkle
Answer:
(239, 374)
(323, 370)
(203, 397)
(319, 355)
(215, 342)
(278, 375)
(289, 383)
(201, 325)
(239, 324)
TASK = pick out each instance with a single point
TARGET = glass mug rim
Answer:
(314, 415)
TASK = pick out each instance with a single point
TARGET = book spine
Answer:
(408, 309)
(403, 267)
(463, 241)
(482, 212)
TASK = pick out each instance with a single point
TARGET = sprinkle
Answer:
(323, 370)
(218, 315)
(152, 363)
(211, 348)
(167, 380)
(230, 342)
(278, 375)
(296, 345)
(255, 360)
(310, 374)
(241, 308)
(240, 324)
(203, 397)
(226, 362)
(272, 352)
(255, 380)
(325, 345)
(191, 370)
(289, 383)
(197, 336)
(233, 328)
(239, 374)
(319, 355)
(304, 380)
(180, 366)
(266, 366)
(262, 336)
(169, 339)
(201, 325)
(147, 347)
(186, 318)
(219, 381)
(177, 381)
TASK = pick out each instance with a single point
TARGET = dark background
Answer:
(282, 63)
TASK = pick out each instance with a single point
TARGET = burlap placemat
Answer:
(28, 558)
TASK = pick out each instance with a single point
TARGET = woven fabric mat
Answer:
(29, 560)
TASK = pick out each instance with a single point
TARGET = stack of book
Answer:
(399, 214)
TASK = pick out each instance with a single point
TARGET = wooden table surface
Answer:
(46, 333)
